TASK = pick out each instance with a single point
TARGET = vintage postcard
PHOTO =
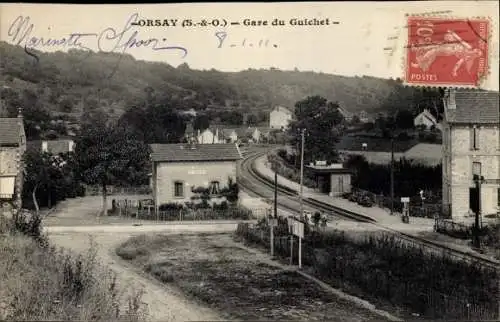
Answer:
(324, 161)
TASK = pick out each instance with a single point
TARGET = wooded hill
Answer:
(69, 83)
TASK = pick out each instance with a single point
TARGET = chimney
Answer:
(450, 99)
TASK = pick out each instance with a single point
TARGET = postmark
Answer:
(451, 52)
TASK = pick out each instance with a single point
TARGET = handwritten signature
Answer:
(108, 40)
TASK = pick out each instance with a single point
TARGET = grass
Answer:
(40, 282)
(386, 271)
(219, 273)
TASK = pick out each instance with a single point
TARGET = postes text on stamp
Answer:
(446, 52)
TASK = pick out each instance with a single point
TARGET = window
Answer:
(474, 137)
(178, 189)
(214, 188)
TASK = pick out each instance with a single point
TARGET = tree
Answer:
(355, 120)
(201, 122)
(252, 119)
(43, 172)
(323, 124)
(404, 119)
(110, 154)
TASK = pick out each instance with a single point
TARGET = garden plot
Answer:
(240, 284)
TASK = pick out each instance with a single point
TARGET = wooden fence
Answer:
(112, 190)
(145, 210)
(454, 229)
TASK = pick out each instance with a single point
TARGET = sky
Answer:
(358, 40)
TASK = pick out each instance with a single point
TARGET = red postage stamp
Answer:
(446, 52)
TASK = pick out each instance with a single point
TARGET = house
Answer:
(471, 146)
(209, 136)
(230, 135)
(178, 169)
(279, 118)
(53, 147)
(426, 119)
(364, 117)
(345, 113)
(332, 179)
(12, 148)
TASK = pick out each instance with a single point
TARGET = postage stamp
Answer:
(447, 52)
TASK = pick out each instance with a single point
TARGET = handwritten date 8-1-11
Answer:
(258, 43)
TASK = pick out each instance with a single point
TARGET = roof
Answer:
(282, 109)
(10, 131)
(475, 107)
(194, 152)
(374, 144)
(329, 170)
(428, 115)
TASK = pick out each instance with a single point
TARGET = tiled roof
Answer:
(194, 152)
(282, 109)
(475, 107)
(9, 131)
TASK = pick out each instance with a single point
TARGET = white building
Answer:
(209, 136)
(280, 118)
(471, 145)
(425, 118)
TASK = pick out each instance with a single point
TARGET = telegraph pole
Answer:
(392, 174)
(302, 133)
(276, 195)
(477, 241)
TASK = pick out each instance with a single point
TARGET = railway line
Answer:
(261, 186)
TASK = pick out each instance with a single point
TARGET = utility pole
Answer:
(477, 241)
(276, 195)
(302, 133)
(392, 174)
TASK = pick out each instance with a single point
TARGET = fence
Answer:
(145, 210)
(454, 229)
(112, 190)
(342, 268)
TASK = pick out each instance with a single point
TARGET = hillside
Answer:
(68, 83)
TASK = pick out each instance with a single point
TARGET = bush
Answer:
(385, 268)
(284, 167)
(42, 283)
(170, 206)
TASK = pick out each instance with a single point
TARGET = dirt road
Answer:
(74, 222)
(163, 303)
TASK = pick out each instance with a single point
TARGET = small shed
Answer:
(332, 179)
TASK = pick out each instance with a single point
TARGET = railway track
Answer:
(247, 171)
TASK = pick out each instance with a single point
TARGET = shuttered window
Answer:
(178, 189)
(474, 138)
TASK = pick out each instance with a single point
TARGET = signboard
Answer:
(298, 229)
(321, 163)
(405, 199)
(197, 171)
(273, 222)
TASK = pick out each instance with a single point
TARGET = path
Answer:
(163, 303)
